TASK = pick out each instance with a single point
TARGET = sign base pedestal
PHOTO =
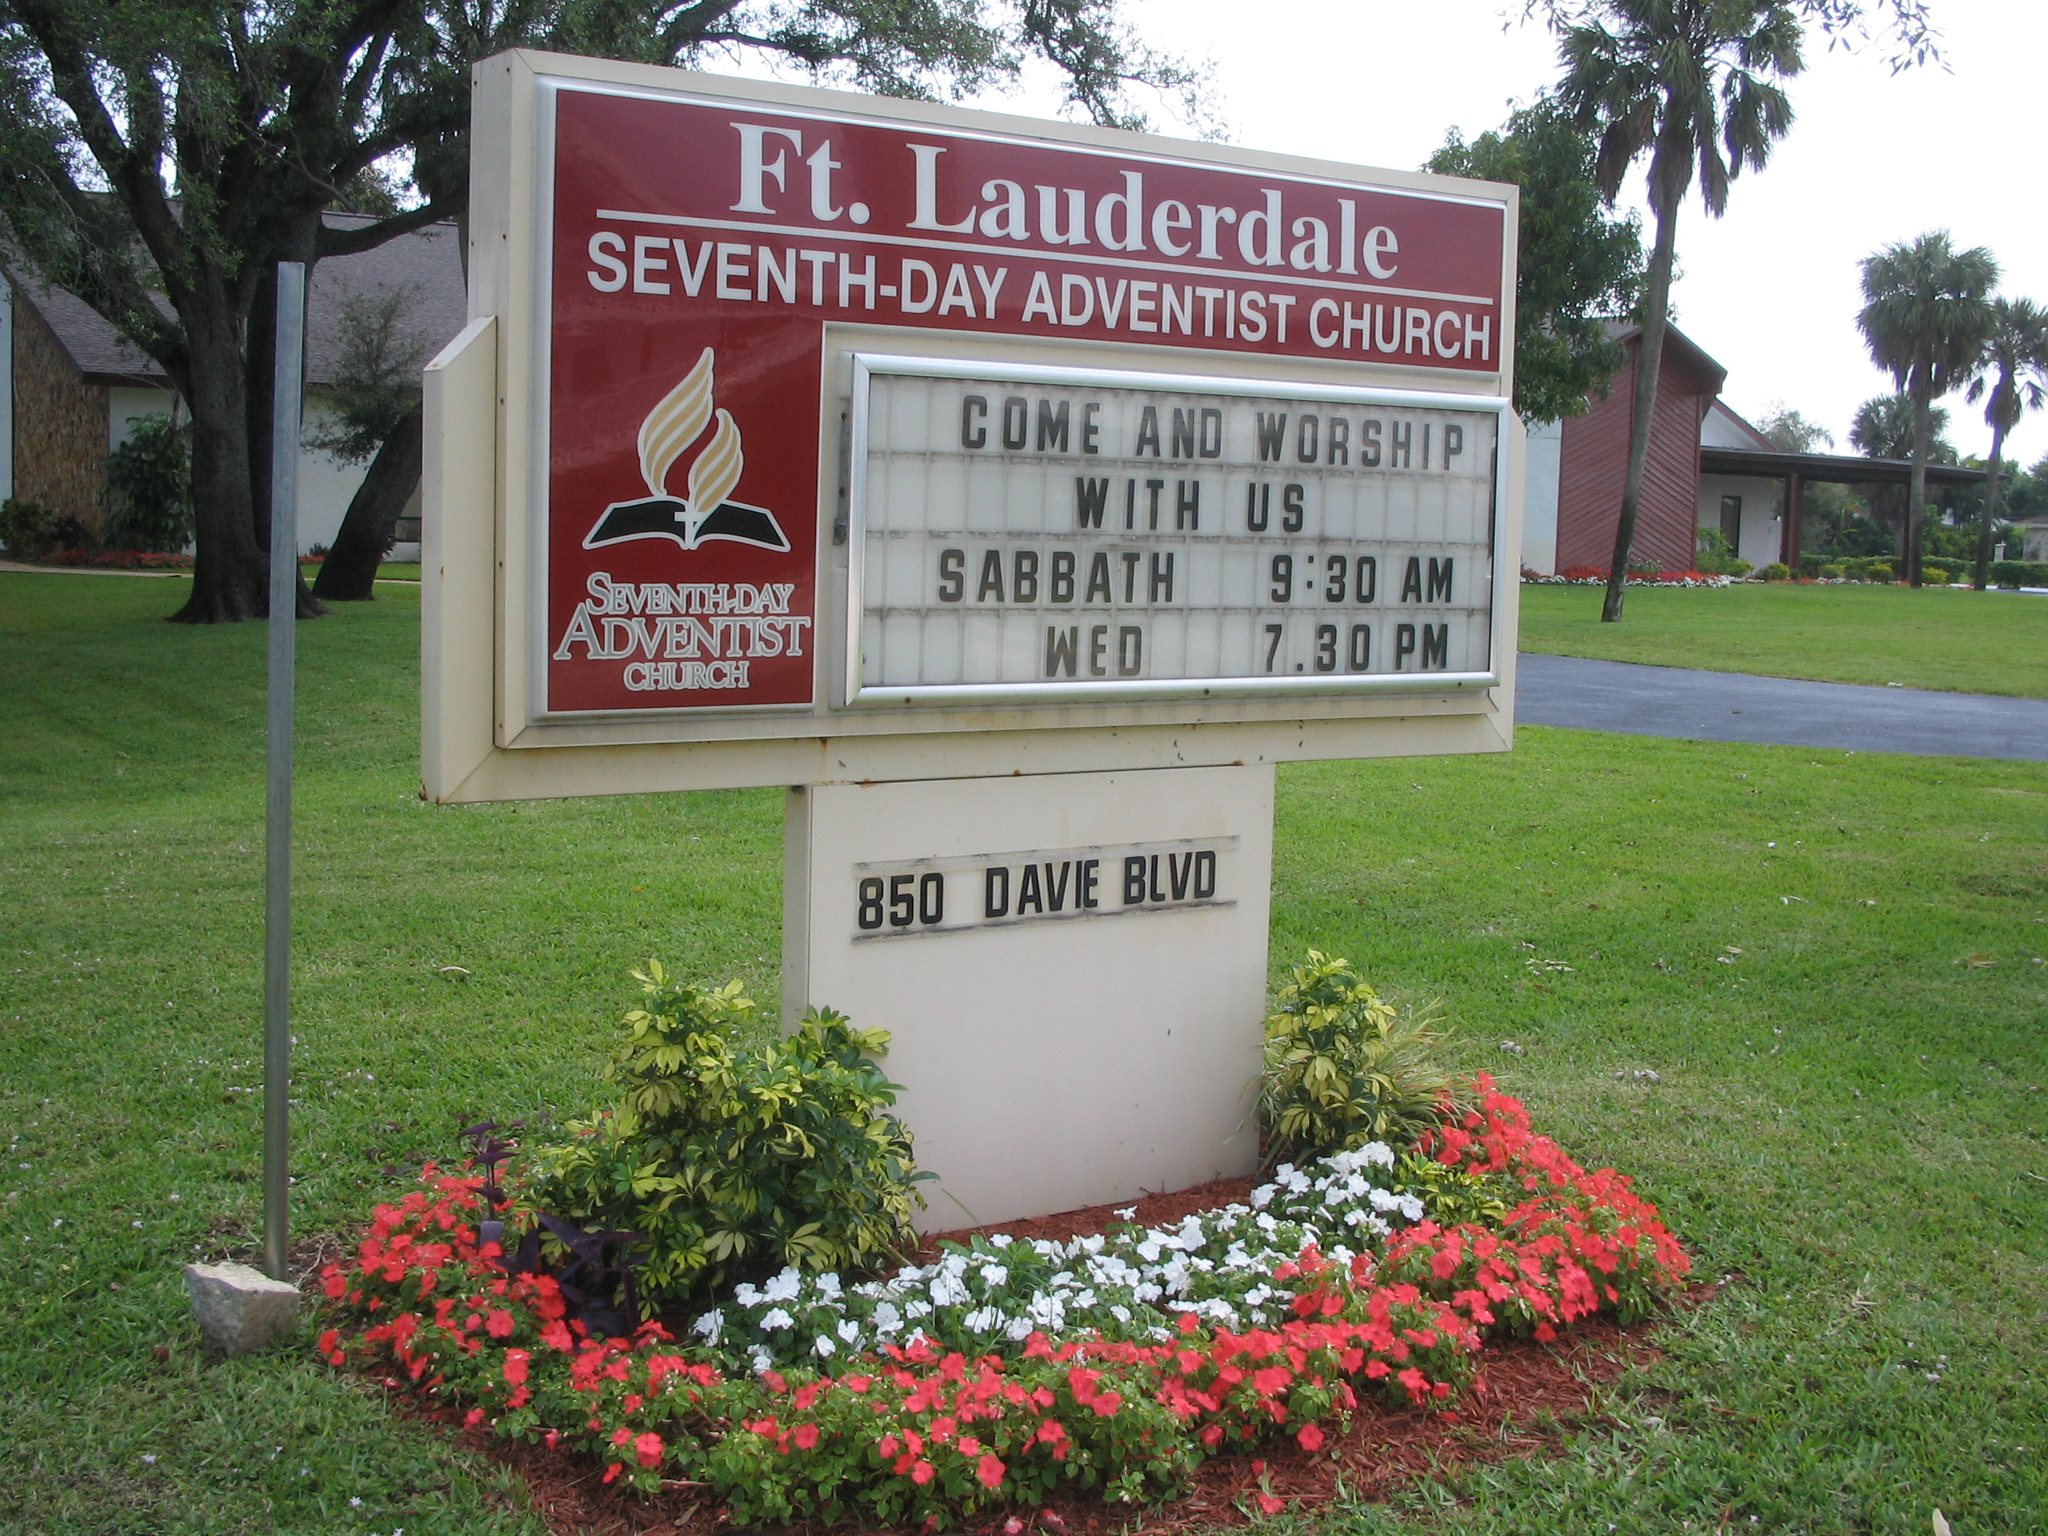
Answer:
(1072, 969)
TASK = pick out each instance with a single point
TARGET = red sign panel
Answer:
(699, 248)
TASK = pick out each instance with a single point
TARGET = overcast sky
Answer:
(1771, 290)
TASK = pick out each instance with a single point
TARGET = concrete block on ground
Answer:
(240, 1310)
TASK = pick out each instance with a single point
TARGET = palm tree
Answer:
(1688, 81)
(1926, 314)
(1883, 429)
(2013, 373)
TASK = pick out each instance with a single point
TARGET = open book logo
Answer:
(704, 513)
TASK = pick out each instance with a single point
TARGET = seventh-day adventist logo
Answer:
(705, 512)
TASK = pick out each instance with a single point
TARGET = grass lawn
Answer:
(1943, 637)
(1834, 963)
(387, 570)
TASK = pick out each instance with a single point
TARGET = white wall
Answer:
(326, 485)
(1541, 463)
(1763, 507)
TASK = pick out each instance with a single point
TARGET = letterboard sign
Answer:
(1034, 533)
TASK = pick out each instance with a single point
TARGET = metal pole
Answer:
(277, 822)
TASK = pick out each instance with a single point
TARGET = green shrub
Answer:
(1936, 575)
(1455, 1196)
(2019, 573)
(150, 477)
(734, 1155)
(1830, 571)
(1343, 1068)
(1876, 570)
(31, 530)
(1716, 556)
(1810, 565)
(1777, 570)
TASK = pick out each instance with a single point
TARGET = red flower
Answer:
(648, 1448)
(1107, 1403)
(499, 1324)
(515, 1367)
(989, 1472)
(1310, 1437)
(806, 1436)
(921, 1473)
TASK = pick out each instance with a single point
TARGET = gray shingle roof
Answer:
(425, 264)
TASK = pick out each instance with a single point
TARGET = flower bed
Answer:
(1595, 576)
(120, 559)
(1005, 1373)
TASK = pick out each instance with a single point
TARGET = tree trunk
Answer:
(230, 576)
(1982, 578)
(1649, 360)
(349, 573)
(1916, 494)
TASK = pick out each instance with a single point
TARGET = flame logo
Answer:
(678, 420)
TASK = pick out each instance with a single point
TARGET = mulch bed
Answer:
(1527, 1397)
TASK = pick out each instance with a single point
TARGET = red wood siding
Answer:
(1594, 466)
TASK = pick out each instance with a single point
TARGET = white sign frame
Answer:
(484, 738)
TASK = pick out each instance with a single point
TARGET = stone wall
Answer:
(60, 425)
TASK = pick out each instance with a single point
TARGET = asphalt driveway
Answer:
(1732, 706)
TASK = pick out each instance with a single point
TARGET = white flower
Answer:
(1121, 1313)
(1019, 1330)
(825, 1349)
(1047, 1311)
(993, 1275)
(849, 1330)
(775, 1319)
(709, 1326)
(948, 1289)
(1001, 1240)
(828, 1286)
(1126, 1213)
(887, 1319)
(746, 1296)
(761, 1359)
(784, 1287)
(985, 1320)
